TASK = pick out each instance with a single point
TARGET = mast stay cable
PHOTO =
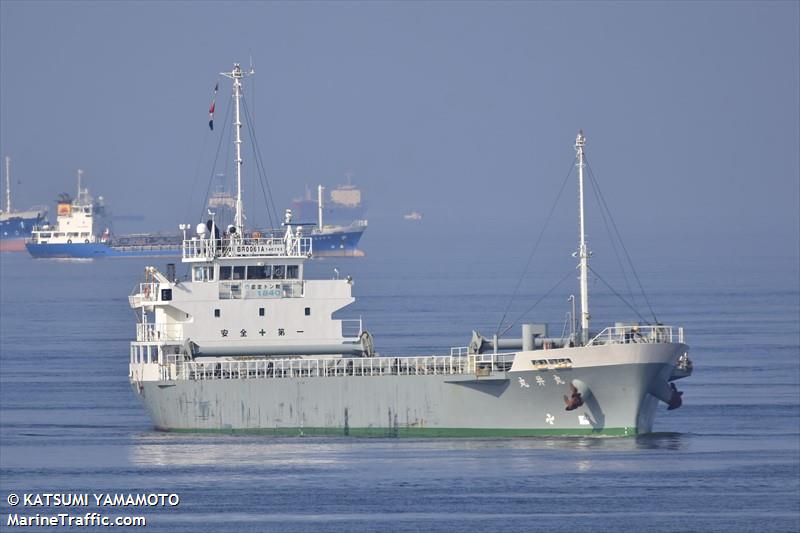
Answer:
(604, 205)
(618, 295)
(533, 251)
(537, 302)
(261, 170)
(216, 158)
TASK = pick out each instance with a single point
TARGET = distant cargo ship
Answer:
(82, 232)
(330, 238)
(343, 205)
(16, 226)
(340, 221)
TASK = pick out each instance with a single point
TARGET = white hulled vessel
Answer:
(247, 343)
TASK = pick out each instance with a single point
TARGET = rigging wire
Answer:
(596, 190)
(618, 295)
(533, 251)
(196, 175)
(622, 243)
(542, 297)
(263, 180)
(216, 158)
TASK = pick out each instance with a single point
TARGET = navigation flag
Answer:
(211, 109)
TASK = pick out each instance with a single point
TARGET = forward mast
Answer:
(583, 251)
(236, 75)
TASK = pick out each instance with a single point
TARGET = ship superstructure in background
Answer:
(328, 240)
(16, 226)
(83, 231)
(343, 205)
(248, 343)
(339, 220)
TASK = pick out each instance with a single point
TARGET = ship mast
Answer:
(80, 175)
(236, 75)
(320, 188)
(583, 252)
(8, 184)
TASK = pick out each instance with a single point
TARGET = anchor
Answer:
(675, 400)
(574, 400)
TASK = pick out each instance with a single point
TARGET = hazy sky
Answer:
(464, 111)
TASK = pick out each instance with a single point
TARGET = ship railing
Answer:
(144, 292)
(143, 247)
(652, 334)
(458, 351)
(328, 367)
(485, 363)
(202, 249)
(149, 332)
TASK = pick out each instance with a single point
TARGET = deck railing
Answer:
(205, 249)
(149, 332)
(638, 334)
(146, 292)
(330, 367)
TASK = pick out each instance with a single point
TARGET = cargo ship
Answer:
(82, 231)
(16, 226)
(248, 343)
(340, 220)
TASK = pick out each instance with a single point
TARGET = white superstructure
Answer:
(244, 295)
(75, 222)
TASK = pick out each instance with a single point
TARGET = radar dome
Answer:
(201, 229)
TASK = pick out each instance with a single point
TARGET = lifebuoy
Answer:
(69, 241)
(86, 241)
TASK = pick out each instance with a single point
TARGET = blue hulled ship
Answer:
(82, 231)
(16, 226)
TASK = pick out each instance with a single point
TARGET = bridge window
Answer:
(292, 272)
(203, 273)
(258, 272)
(278, 272)
(166, 294)
(238, 272)
(225, 272)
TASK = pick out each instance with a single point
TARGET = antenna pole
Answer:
(320, 188)
(80, 175)
(236, 75)
(8, 184)
(583, 252)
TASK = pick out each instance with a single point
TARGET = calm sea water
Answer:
(728, 460)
